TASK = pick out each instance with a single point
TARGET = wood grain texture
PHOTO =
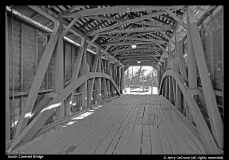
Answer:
(114, 128)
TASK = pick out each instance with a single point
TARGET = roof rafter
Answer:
(143, 29)
(129, 21)
(132, 42)
(119, 9)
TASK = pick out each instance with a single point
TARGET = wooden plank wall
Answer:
(29, 44)
(211, 35)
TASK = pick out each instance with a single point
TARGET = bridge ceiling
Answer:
(117, 27)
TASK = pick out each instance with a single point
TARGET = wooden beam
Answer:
(35, 16)
(49, 23)
(91, 82)
(37, 83)
(98, 89)
(142, 56)
(128, 30)
(210, 99)
(131, 42)
(92, 41)
(176, 18)
(72, 9)
(85, 69)
(69, 26)
(167, 37)
(59, 73)
(192, 67)
(104, 21)
(211, 51)
(108, 82)
(115, 9)
(21, 65)
(202, 128)
(141, 39)
(181, 61)
(170, 90)
(29, 132)
(42, 12)
(36, 51)
(56, 18)
(96, 11)
(128, 22)
(136, 50)
(75, 74)
(105, 18)
(7, 106)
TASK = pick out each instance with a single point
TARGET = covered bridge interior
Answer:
(64, 60)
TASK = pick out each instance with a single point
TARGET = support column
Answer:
(178, 98)
(181, 60)
(211, 51)
(108, 81)
(59, 73)
(192, 68)
(7, 106)
(123, 80)
(77, 65)
(21, 66)
(166, 87)
(98, 89)
(85, 68)
(170, 90)
(92, 81)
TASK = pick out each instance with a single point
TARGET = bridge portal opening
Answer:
(140, 80)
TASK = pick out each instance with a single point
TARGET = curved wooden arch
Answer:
(205, 135)
(37, 122)
(72, 86)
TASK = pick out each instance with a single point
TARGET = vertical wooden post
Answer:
(22, 123)
(112, 75)
(105, 88)
(158, 76)
(21, 66)
(178, 98)
(123, 80)
(211, 52)
(59, 72)
(36, 51)
(182, 68)
(192, 67)
(108, 81)
(166, 87)
(170, 90)
(174, 89)
(98, 89)
(91, 82)
(120, 79)
(7, 106)
(169, 57)
(85, 70)
(209, 95)
(75, 74)
(181, 60)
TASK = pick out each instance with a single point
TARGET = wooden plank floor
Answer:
(131, 124)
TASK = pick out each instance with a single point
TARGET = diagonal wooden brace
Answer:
(43, 65)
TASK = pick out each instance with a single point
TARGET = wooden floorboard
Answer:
(131, 124)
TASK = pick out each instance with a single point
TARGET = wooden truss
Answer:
(34, 116)
(175, 83)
